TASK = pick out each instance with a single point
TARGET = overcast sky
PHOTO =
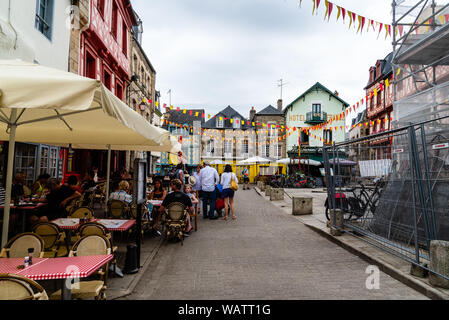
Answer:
(215, 53)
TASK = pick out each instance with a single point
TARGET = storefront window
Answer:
(25, 161)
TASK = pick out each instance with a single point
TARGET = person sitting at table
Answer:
(40, 185)
(72, 182)
(122, 193)
(57, 200)
(188, 192)
(159, 192)
(18, 190)
(88, 182)
(178, 196)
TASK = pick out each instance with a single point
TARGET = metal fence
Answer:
(393, 188)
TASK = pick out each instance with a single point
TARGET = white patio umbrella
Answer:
(254, 160)
(215, 162)
(49, 106)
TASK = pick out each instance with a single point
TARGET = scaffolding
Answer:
(420, 60)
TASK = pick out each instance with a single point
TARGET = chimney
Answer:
(252, 114)
(280, 105)
(336, 93)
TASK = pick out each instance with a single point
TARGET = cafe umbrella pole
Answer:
(108, 177)
(9, 171)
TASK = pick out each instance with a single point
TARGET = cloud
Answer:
(214, 53)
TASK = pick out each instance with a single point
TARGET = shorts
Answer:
(227, 193)
(246, 180)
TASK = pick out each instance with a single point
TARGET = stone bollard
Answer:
(267, 190)
(259, 185)
(262, 187)
(276, 194)
(302, 206)
(439, 262)
(338, 222)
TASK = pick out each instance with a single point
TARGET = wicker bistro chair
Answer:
(81, 213)
(118, 209)
(175, 221)
(89, 246)
(15, 287)
(52, 235)
(18, 246)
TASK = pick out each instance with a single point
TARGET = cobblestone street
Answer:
(265, 254)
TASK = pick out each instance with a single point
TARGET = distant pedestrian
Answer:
(245, 175)
(209, 180)
(180, 173)
(228, 194)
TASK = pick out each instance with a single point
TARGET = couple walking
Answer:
(209, 180)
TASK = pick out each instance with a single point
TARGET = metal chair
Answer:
(15, 287)
(117, 209)
(90, 246)
(18, 246)
(52, 235)
(175, 221)
(81, 213)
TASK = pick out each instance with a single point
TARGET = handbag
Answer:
(234, 185)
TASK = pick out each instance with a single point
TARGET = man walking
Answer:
(209, 180)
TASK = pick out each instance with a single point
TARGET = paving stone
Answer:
(264, 254)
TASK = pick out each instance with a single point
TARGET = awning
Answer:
(49, 106)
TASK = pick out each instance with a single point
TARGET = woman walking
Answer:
(228, 194)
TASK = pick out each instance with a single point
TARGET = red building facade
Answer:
(103, 53)
(379, 109)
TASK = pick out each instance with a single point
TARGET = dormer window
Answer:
(236, 123)
(220, 122)
(378, 69)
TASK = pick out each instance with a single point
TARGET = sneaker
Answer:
(213, 218)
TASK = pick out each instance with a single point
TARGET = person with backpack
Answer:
(180, 174)
(229, 182)
(245, 174)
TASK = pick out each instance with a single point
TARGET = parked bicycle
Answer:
(359, 203)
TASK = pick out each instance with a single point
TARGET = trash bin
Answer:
(131, 266)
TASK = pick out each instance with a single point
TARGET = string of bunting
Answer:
(363, 22)
(368, 24)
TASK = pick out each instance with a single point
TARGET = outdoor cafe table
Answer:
(116, 225)
(25, 208)
(68, 225)
(56, 269)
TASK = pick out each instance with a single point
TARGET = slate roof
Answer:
(359, 118)
(186, 119)
(270, 110)
(228, 113)
(317, 86)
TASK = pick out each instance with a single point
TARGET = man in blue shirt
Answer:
(209, 180)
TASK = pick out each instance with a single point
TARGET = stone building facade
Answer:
(270, 126)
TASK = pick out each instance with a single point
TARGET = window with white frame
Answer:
(210, 146)
(44, 17)
(220, 122)
(279, 151)
(236, 123)
(267, 150)
(228, 147)
(245, 147)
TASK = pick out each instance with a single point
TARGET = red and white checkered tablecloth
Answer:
(65, 268)
(11, 265)
(126, 225)
(67, 224)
